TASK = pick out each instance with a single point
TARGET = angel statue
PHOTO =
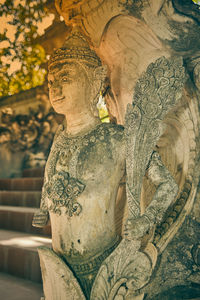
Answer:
(87, 163)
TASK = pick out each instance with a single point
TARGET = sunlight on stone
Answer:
(34, 241)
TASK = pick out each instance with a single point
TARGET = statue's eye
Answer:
(65, 79)
(50, 82)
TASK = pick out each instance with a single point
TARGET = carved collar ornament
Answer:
(75, 47)
(64, 185)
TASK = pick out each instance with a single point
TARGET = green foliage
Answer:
(196, 2)
(20, 58)
(103, 112)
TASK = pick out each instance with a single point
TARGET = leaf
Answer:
(22, 18)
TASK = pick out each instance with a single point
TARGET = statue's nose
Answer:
(57, 89)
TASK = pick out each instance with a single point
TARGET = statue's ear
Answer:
(100, 72)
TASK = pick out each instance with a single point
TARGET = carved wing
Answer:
(124, 271)
(156, 93)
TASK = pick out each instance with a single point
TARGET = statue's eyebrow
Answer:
(63, 72)
(59, 67)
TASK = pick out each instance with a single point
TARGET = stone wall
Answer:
(27, 126)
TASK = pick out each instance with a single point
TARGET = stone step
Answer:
(19, 256)
(20, 198)
(36, 172)
(14, 288)
(20, 219)
(21, 184)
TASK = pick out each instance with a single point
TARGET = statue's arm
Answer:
(41, 217)
(166, 191)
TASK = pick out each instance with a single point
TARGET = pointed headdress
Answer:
(75, 47)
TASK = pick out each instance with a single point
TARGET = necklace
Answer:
(64, 185)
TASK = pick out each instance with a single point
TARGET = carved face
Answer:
(69, 88)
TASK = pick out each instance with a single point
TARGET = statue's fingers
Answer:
(129, 226)
(125, 231)
(129, 222)
(126, 236)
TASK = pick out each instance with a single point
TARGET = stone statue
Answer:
(86, 165)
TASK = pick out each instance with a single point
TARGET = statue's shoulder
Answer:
(104, 133)
(114, 131)
(58, 140)
(113, 136)
(59, 131)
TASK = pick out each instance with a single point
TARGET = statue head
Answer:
(76, 75)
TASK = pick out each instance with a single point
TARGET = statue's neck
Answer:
(81, 123)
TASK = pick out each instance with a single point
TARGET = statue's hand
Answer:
(135, 229)
(40, 219)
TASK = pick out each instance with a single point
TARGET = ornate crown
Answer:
(75, 47)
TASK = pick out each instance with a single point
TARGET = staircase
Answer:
(20, 276)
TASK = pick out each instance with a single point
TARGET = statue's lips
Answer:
(58, 100)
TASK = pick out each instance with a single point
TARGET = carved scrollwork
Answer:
(196, 254)
(178, 148)
(196, 75)
(123, 272)
(156, 92)
(63, 190)
(25, 131)
(160, 87)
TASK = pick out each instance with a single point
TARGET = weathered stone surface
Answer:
(59, 281)
(129, 35)
(177, 275)
(124, 272)
(138, 41)
(86, 167)
(127, 46)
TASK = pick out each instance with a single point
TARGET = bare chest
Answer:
(77, 167)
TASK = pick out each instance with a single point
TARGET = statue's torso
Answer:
(83, 176)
